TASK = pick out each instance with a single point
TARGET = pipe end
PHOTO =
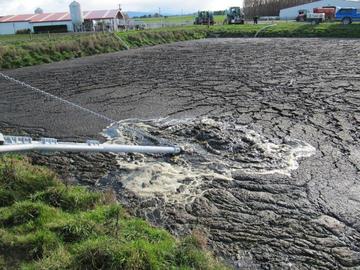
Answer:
(2, 139)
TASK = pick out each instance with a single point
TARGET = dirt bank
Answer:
(302, 89)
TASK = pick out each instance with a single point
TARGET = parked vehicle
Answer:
(315, 18)
(302, 14)
(234, 15)
(348, 15)
(204, 18)
(328, 11)
(307, 16)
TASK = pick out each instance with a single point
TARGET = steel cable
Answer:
(69, 103)
(57, 98)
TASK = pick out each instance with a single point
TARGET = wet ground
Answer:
(289, 93)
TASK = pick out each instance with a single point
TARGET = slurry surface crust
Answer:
(305, 90)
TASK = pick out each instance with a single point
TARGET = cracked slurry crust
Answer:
(307, 89)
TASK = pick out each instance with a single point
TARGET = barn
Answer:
(98, 20)
(291, 13)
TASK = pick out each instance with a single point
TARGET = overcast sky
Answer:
(173, 6)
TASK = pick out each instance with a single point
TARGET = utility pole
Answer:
(161, 22)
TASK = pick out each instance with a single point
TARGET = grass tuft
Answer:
(69, 198)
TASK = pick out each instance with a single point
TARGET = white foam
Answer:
(213, 149)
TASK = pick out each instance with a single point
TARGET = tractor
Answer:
(234, 15)
(204, 18)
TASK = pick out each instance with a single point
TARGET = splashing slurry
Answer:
(213, 149)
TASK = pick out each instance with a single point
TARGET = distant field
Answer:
(178, 19)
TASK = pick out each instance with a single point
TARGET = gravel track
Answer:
(307, 89)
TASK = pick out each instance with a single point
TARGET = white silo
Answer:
(39, 11)
(76, 14)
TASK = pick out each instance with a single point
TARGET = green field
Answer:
(45, 224)
(178, 19)
(171, 19)
(27, 50)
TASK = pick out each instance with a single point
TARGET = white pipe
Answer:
(82, 147)
(262, 29)
(16, 148)
(20, 144)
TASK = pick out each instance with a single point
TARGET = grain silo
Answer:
(76, 15)
(39, 11)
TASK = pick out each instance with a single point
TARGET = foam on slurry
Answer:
(213, 148)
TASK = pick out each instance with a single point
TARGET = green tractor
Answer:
(234, 15)
(204, 18)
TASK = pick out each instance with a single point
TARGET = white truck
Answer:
(315, 18)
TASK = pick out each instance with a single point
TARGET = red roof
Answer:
(51, 17)
(59, 16)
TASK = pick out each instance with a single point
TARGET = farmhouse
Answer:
(98, 20)
(291, 13)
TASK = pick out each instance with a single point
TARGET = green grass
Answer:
(21, 50)
(20, 38)
(329, 30)
(134, 39)
(45, 224)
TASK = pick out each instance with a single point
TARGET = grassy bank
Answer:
(45, 224)
(25, 50)
(136, 39)
(281, 29)
(299, 30)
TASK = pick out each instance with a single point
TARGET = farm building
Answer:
(39, 22)
(291, 13)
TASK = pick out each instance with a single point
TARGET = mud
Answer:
(283, 90)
